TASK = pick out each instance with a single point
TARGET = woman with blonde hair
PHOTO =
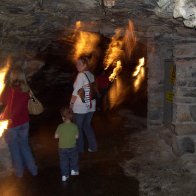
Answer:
(84, 109)
(18, 78)
(15, 99)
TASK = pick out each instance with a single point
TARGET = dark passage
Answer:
(100, 173)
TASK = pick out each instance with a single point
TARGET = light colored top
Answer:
(81, 80)
(67, 133)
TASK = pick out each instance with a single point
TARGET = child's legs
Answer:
(64, 161)
(73, 156)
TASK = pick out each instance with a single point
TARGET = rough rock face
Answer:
(185, 9)
(27, 26)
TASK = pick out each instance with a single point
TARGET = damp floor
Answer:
(101, 173)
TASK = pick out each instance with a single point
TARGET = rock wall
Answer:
(181, 53)
(185, 87)
(29, 26)
(159, 50)
(184, 9)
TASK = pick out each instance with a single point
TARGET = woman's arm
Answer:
(73, 99)
(77, 85)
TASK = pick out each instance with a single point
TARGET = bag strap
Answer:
(87, 77)
(95, 86)
(31, 93)
(32, 96)
(89, 85)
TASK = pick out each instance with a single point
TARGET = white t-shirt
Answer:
(81, 80)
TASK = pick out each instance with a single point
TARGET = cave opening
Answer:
(55, 79)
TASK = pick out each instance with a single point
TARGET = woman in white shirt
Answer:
(84, 110)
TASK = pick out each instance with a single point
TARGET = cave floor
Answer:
(100, 172)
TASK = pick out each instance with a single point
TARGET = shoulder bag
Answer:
(35, 107)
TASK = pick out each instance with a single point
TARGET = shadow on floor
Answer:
(100, 173)
(88, 183)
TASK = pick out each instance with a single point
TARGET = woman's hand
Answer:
(72, 101)
(71, 106)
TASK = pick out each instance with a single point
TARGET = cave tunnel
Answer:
(53, 85)
(146, 130)
(54, 81)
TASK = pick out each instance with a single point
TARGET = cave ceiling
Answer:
(31, 25)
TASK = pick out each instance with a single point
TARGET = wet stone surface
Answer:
(100, 172)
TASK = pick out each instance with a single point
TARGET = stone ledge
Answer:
(185, 128)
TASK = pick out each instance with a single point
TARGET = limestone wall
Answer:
(184, 116)
(159, 50)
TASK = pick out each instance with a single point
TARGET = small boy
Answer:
(67, 133)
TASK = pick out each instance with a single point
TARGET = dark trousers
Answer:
(68, 160)
(18, 143)
(83, 122)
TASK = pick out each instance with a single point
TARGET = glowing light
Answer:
(129, 39)
(116, 71)
(118, 48)
(78, 25)
(138, 68)
(3, 126)
(3, 72)
(86, 44)
(139, 74)
(114, 51)
(117, 93)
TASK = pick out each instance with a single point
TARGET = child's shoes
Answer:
(74, 173)
(64, 178)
